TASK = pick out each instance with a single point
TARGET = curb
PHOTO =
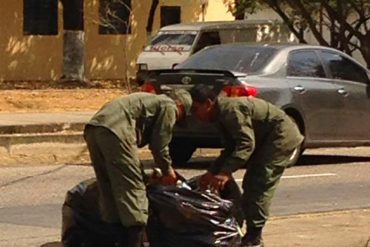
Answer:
(7, 141)
(320, 213)
(15, 139)
(40, 128)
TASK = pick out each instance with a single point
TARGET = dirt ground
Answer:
(43, 97)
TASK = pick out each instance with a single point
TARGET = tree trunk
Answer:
(73, 55)
(73, 41)
(149, 23)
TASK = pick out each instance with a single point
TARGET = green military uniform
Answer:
(260, 137)
(112, 136)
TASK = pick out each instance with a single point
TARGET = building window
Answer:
(114, 17)
(40, 17)
(73, 14)
(170, 15)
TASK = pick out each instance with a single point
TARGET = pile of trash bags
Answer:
(179, 216)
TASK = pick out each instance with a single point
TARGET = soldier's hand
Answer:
(219, 181)
(169, 179)
(205, 181)
(214, 183)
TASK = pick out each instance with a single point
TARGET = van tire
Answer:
(181, 152)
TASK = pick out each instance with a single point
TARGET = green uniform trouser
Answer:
(260, 181)
(122, 192)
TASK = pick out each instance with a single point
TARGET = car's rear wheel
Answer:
(181, 151)
(297, 153)
(295, 156)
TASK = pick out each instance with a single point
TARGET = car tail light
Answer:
(239, 90)
(148, 87)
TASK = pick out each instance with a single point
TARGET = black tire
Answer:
(181, 152)
(297, 153)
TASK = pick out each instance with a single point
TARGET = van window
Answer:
(207, 39)
(172, 41)
(239, 35)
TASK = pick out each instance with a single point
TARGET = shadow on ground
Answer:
(203, 163)
(52, 244)
(331, 159)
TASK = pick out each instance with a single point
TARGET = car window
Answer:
(247, 59)
(164, 41)
(343, 68)
(305, 64)
(207, 39)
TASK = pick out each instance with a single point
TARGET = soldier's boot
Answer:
(135, 236)
(253, 238)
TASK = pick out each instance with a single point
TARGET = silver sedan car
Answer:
(326, 92)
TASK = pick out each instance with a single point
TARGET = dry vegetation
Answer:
(51, 97)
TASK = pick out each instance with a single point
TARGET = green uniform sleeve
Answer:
(161, 137)
(220, 160)
(239, 129)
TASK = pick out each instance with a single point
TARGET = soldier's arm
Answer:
(220, 160)
(161, 137)
(240, 128)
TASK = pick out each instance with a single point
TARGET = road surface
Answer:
(31, 197)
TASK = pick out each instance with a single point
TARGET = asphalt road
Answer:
(31, 197)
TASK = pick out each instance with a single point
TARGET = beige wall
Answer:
(26, 57)
(217, 9)
(41, 57)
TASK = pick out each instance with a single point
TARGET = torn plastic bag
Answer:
(81, 220)
(180, 218)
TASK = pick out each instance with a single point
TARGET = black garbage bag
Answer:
(81, 221)
(180, 217)
(230, 192)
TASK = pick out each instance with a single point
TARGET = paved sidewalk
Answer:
(42, 138)
(8, 119)
(12, 123)
(335, 229)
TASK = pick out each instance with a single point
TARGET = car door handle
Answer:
(342, 91)
(299, 89)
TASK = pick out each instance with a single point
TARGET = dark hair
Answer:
(201, 93)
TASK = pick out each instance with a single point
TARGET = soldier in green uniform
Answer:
(113, 136)
(258, 136)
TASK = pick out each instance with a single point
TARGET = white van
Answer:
(174, 43)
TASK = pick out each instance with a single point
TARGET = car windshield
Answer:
(246, 59)
(172, 41)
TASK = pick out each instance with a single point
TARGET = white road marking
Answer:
(301, 176)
